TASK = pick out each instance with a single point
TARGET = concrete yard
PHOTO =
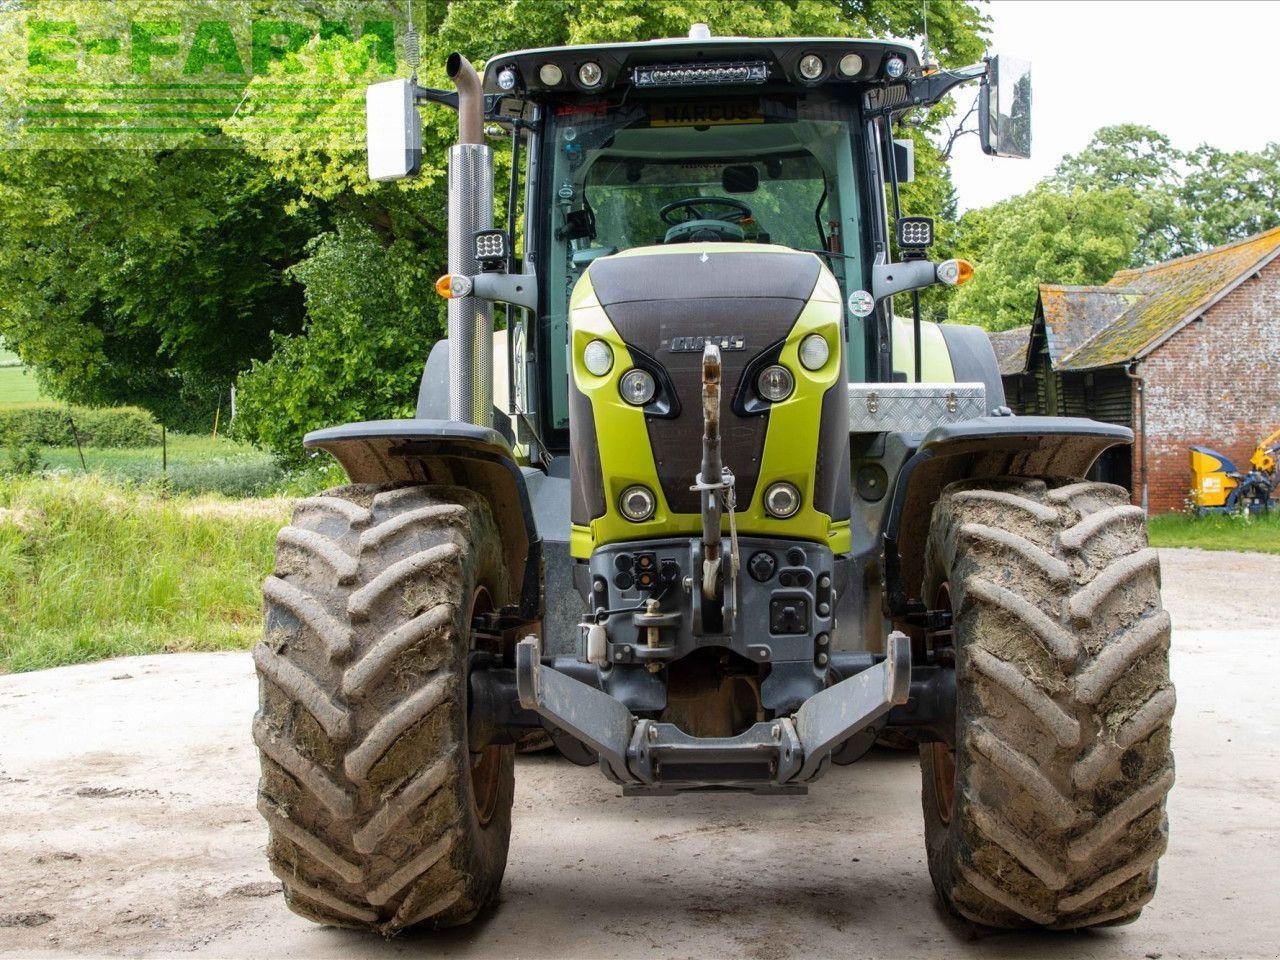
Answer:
(127, 828)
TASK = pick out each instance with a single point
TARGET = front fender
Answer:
(455, 453)
(981, 447)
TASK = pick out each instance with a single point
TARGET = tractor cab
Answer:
(714, 140)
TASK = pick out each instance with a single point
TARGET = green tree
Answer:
(1197, 199)
(1231, 195)
(1045, 236)
(135, 271)
(1145, 162)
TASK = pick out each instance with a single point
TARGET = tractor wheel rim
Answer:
(943, 755)
(486, 764)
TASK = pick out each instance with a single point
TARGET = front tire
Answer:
(380, 815)
(1049, 808)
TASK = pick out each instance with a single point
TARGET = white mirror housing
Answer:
(393, 130)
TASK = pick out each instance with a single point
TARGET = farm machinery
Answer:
(738, 520)
(1218, 487)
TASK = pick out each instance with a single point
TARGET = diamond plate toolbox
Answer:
(913, 407)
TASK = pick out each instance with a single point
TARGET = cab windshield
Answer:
(764, 169)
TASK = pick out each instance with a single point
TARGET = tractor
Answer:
(737, 519)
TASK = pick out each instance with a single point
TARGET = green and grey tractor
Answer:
(735, 521)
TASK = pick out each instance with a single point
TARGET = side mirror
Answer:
(394, 130)
(1004, 108)
(904, 155)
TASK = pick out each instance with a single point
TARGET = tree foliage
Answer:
(135, 274)
(1130, 198)
(1196, 198)
(1045, 236)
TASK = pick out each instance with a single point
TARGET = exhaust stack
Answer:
(470, 166)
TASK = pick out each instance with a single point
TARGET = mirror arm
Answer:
(921, 91)
(517, 289)
(890, 278)
(447, 98)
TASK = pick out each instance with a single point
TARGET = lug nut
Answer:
(822, 659)
(824, 581)
(824, 608)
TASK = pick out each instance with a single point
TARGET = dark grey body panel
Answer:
(694, 276)
(973, 360)
(433, 391)
(564, 609)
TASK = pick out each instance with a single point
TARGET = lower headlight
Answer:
(637, 503)
(775, 383)
(637, 387)
(782, 500)
(814, 351)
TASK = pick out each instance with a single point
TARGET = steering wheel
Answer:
(738, 211)
(694, 226)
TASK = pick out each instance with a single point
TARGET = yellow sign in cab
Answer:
(704, 113)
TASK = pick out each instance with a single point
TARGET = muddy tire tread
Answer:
(366, 785)
(1063, 761)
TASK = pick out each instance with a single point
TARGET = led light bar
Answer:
(700, 74)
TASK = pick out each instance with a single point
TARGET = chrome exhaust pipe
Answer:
(470, 167)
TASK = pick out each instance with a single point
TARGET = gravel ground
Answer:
(127, 829)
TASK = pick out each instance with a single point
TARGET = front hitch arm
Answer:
(710, 477)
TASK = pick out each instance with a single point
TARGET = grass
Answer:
(1256, 534)
(198, 464)
(18, 385)
(91, 569)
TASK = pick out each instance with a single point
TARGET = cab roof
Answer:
(618, 62)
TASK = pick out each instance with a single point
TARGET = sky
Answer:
(1199, 71)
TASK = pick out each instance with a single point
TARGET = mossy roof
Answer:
(1011, 348)
(1158, 301)
(1074, 315)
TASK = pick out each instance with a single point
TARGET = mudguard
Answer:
(980, 447)
(450, 452)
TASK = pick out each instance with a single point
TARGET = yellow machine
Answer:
(1217, 487)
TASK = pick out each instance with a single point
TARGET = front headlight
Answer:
(597, 358)
(637, 503)
(814, 351)
(782, 500)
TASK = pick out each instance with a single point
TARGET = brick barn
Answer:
(1184, 352)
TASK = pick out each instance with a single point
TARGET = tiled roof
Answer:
(1011, 348)
(1164, 298)
(1074, 314)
